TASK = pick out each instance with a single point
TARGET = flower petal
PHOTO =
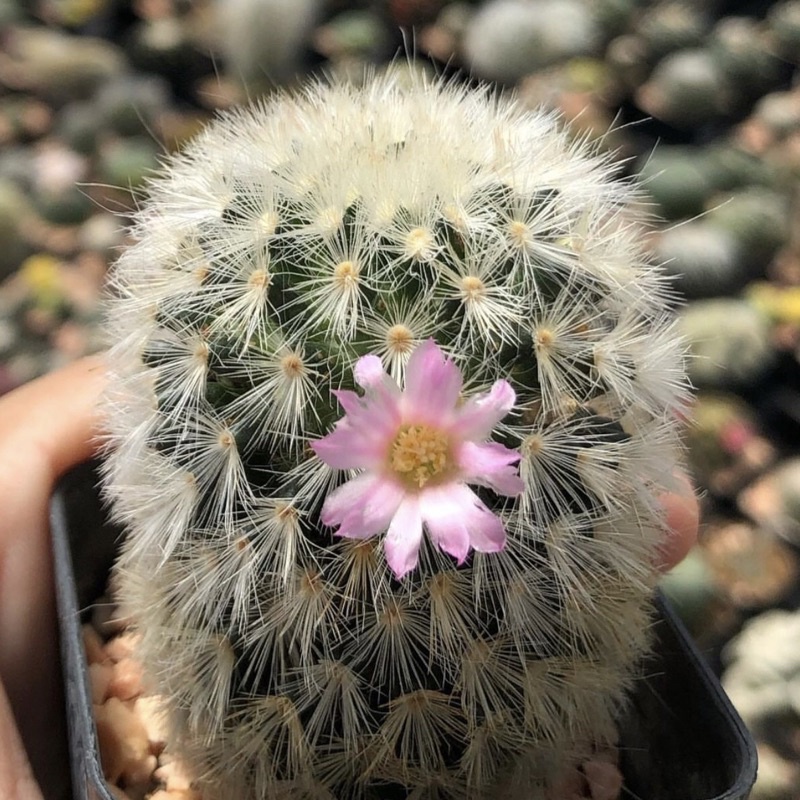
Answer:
(444, 520)
(368, 372)
(456, 504)
(433, 385)
(346, 448)
(404, 537)
(340, 502)
(490, 464)
(349, 401)
(362, 437)
(479, 415)
(373, 512)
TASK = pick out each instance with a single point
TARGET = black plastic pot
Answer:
(681, 740)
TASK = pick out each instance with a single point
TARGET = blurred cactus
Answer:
(507, 39)
(703, 258)
(41, 276)
(683, 179)
(693, 592)
(614, 16)
(729, 342)
(401, 235)
(780, 303)
(763, 675)
(263, 42)
(719, 439)
(783, 21)
(126, 163)
(14, 209)
(130, 106)
(351, 40)
(743, 53)
(669, 26)
(678, 179)
(687, 89)
(758, 218)
(58, 66)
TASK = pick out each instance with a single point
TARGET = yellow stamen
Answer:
(420, 453)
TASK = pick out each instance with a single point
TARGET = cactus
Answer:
(704, 259)
(263, 41)
(729, 342)
(667, 27)
(508, 39)
(686, 89)
(346, 312)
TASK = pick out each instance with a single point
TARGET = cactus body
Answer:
(288, 243)
(508, 39)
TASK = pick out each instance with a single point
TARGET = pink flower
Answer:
(417, 450)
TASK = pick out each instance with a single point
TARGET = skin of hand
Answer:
(46, 427)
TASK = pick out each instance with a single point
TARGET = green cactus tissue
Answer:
(394, 395)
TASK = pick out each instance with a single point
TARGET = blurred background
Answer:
(701, 98)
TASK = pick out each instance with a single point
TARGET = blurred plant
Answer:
(729, 342)
(725, 447)
(507, 39)
(263, 41)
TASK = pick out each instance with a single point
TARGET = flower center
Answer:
(419, 453)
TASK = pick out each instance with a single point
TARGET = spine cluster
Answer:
(286, 243)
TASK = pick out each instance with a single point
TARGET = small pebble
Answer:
(604, 779)
(148, 709)
(572, 785)
(99, 679)
(122, 739)
(126, 679)
(121, 646)
(172, 774)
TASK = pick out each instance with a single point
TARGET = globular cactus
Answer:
(263, 42)
(508, 39)
(456, 607)
(729, 341)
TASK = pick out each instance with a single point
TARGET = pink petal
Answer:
(490, 464)
(362, 437)
(368, 372)
(375, 413)
(373, 512)
(349, 401)
(404, 537)
(341, 501)
(479, 415)
(380, 387)
(445, 521)
(485, 530)
(345, 448)
(433, 385)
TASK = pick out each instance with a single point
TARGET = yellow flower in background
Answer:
(779, 303)
(41, 276)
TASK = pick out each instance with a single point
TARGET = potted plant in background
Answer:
(394, 395)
